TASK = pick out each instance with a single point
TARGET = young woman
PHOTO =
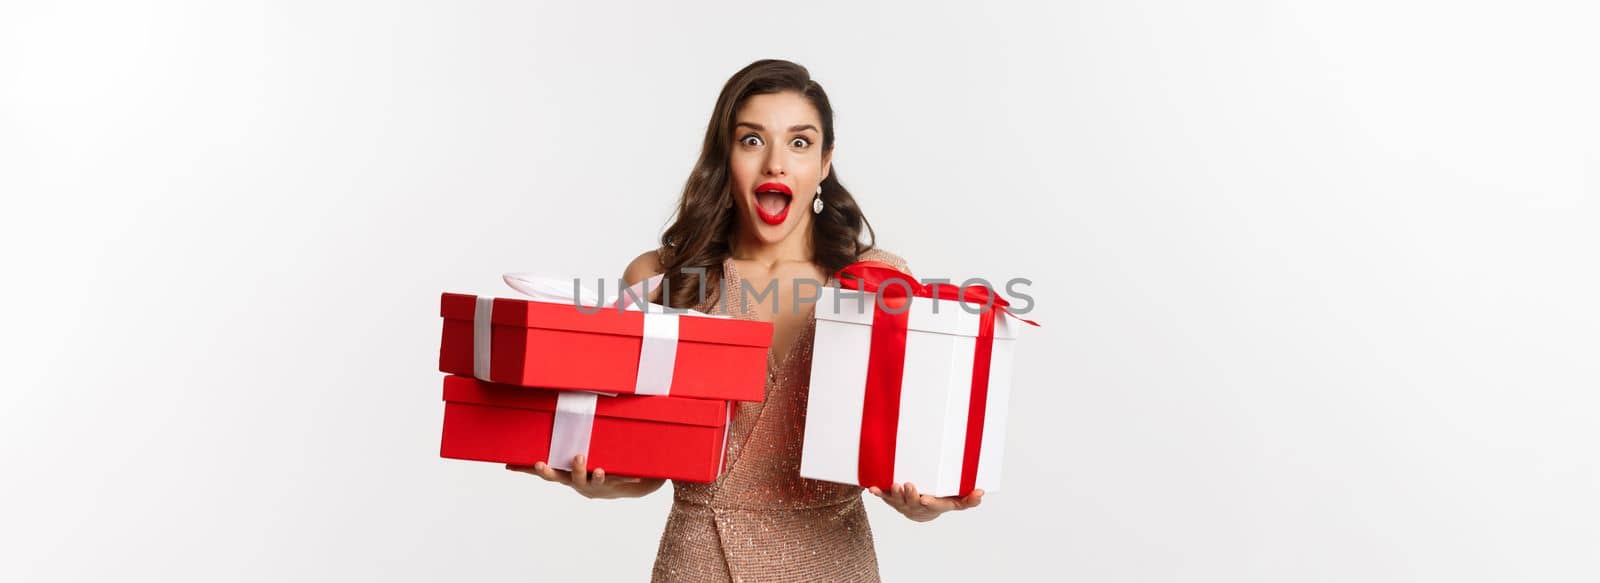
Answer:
(763, 205)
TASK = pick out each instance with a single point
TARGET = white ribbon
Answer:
(482, 333)
(569, 436)
(727, 423)
(658, 354)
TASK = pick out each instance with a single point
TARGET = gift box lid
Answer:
(926, 314)
(682, 411)
(565, 316)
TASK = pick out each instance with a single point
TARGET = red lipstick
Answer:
(768, 206)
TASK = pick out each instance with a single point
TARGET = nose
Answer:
(774, 164)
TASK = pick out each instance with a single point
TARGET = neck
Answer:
(795, 248)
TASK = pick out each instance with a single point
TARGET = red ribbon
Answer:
(880, 409)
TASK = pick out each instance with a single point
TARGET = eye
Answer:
(800, 142)
(751, 140)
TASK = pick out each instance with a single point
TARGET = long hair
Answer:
(698, 238)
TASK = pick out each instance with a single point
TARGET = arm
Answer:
(597, 484)
(641, 268)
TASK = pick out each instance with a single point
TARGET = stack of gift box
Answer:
(640, 393)
(909, 383)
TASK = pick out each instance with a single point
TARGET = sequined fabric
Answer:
(760, 521)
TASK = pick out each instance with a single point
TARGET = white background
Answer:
(1317, 279)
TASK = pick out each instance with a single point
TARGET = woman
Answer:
(768, 150)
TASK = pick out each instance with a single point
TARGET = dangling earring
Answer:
(816, 203)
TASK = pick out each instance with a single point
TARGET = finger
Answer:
(911, 495)
(554, 475)
(599, 478)
(892, 497)
(972, 500)
(580, 474)
(875, 491)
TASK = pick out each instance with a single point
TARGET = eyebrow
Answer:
(757, 127)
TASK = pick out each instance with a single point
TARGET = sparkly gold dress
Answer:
(760, 521)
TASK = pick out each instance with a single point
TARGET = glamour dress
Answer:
(760, 521)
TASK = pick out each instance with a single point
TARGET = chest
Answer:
(786, 297)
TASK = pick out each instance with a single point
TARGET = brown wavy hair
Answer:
(699, 236)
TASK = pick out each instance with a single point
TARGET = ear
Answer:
(827, 163)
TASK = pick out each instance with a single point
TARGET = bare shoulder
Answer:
(642, 267)
(876, 254)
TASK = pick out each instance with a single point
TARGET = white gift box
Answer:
(931, 433)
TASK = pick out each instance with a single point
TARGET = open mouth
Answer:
(772, 202)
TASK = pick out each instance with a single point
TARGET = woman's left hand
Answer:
(921, 507)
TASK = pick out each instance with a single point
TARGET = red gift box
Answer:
(641, 436)
(558, 346)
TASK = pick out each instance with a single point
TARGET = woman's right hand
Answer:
(594, 484)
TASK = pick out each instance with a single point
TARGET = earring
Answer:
(816, 203)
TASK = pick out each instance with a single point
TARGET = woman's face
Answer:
(776, 162)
